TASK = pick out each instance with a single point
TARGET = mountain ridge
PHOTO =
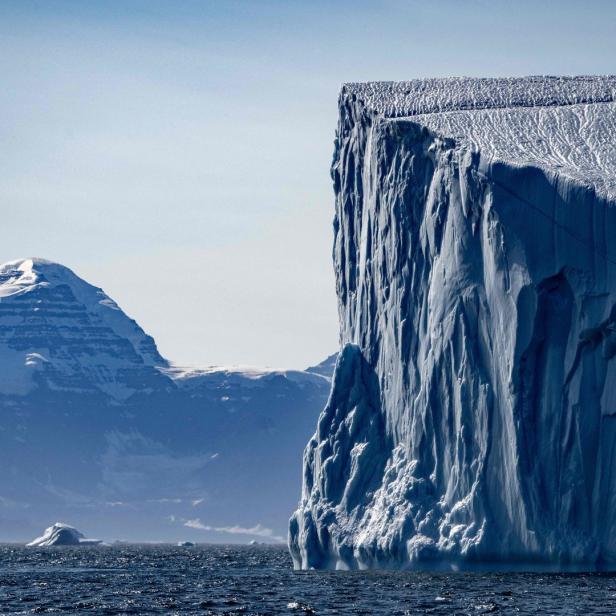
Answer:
(97, 428)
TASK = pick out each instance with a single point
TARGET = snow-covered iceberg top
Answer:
(562, 125)
(61, 534)
(571, 140)
(393, 99)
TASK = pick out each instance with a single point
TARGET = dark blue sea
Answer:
(260, 580)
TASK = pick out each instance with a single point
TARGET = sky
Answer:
(177, 153)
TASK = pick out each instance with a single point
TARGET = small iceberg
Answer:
(186, 544)
(61, 534)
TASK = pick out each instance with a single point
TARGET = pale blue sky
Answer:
(177, 153)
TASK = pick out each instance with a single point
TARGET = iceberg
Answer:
(61, 534)
(472, 416)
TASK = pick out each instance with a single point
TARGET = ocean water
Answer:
(260, 580)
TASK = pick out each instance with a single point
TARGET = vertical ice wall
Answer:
(473, 411)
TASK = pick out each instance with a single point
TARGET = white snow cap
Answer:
(394, 99)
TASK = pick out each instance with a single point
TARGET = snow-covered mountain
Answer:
(473, 410)
(97, 428)
(69, 335)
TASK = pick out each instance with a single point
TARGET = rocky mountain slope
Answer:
(473, 411)
(97, 428)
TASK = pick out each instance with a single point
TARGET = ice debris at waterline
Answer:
(473, 412)
(61, 534)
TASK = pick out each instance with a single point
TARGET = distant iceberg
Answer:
(61, 534)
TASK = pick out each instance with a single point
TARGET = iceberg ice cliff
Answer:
(472, 417)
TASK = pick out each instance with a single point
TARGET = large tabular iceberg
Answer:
(473, 412)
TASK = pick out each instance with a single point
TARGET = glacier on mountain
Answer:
(472, 418)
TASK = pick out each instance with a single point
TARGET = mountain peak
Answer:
(75, 327)
(22, 274)
(28, 265)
